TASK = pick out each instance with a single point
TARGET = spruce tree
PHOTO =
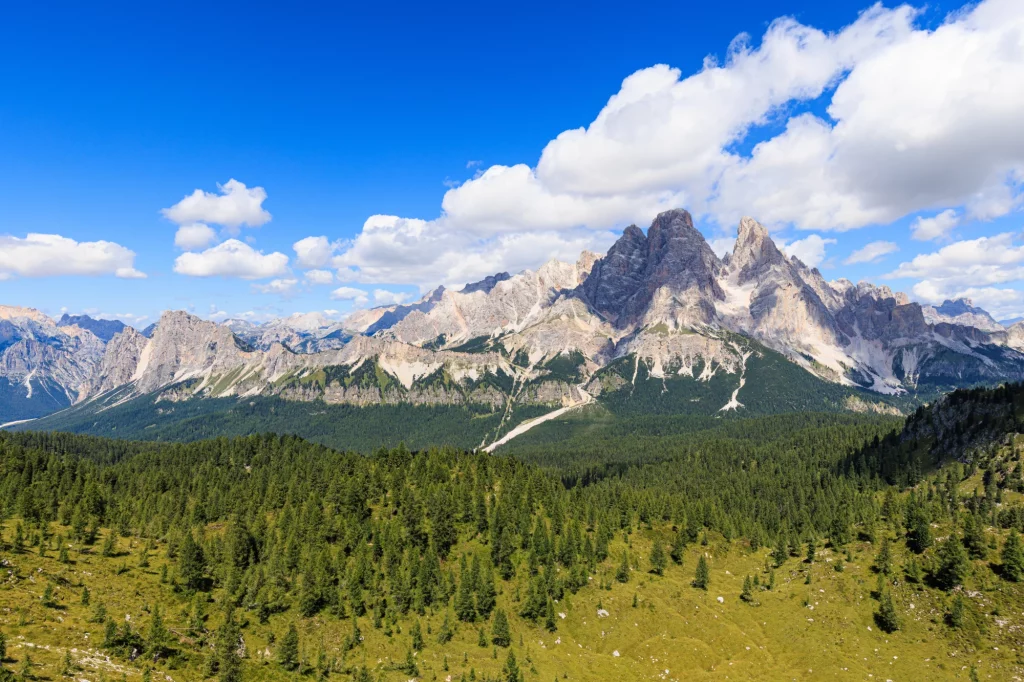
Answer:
(417, 635)
(747, 594)
(886, 616)
(1013, 557)
(511, 673)
(956, 612)
(702, 577)
(677, 548)
(191, 563)
(158, 636)
(883, 560)
(288, 653)
(954, 564)
(657, 559)
(622, 574)
(229, 665)
(549, 617)
(501, 634)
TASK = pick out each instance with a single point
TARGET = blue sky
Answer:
(110, 115)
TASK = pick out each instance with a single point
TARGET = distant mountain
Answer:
(962, 312)
(103, 329)
(659, 323)
(44, 366)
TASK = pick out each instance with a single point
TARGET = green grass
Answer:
(821, 630)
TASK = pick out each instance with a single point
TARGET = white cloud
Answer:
(45, 255)
(974, 262)
(232, 258)
(357, 296)
(319, 276)
(385, 297)
(722, 245)
(234, 206)
(194, 236)
(969, 269)
(314, 252)
(872, 253)
(1000, 303)
(926, 120)
(282, 287)
(810, 250)
(937, 227)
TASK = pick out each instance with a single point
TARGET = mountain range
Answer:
(659, 322)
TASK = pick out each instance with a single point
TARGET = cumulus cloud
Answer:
(45, 255)
(918, 120)
(194, 236)
(314, 252)
(385, 297)
(871, 253)
(926, 119)
(232, 258)
(358, 297)
(937, 227)
(970, 269)
(810, 250)
(282, 287)
(319, 277)
(233, 205)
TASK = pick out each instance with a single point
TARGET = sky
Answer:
(241, 161)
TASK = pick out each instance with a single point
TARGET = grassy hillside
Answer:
(346, 427)
(194, 550)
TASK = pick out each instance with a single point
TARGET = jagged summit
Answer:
(661, 300)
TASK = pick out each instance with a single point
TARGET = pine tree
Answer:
(445, 634)
(191, 563)
(657, 559)
(781, 552)
(1013, 557)
(677, 548)
(158, 635)
(957, 611)
(109, 548)
(229, 665)
(288, 653)
(883, 560)
(3, 648)
(48, 595)
(886, 616)
(811, 551)
(481, 639)
(702, 577)
(549, 617)
(501, 634)
(465, 609)
(747, 594)
(486, 596)
(622, 574)
(417, 636)
(511, 673)
(954, 564)
(85, 596)
(974, 537)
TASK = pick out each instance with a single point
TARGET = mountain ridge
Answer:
(545, 337)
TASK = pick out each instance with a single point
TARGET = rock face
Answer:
(961, 312)
(103, 329)
(43, 366)
(662, 300)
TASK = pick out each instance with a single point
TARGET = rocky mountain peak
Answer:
(103, 329)
(486, 284)
(754, 253)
